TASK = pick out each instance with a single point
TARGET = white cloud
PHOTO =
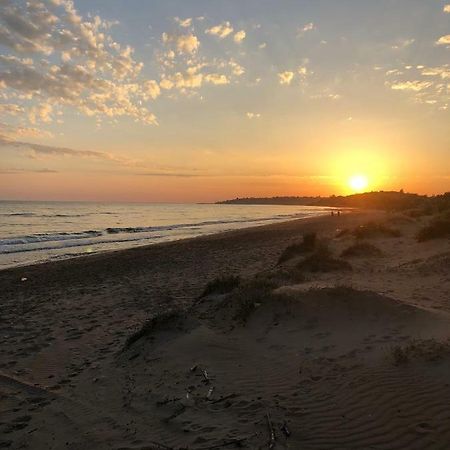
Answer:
(184, 43)
(239, 36)
(403, 43)
(416, 85)
(222, 30)
(252, 115)
(444, 40)
(285, 77)
(447, 8)
(215, 78)
(184, 23)
(305, 29)
(89, 71)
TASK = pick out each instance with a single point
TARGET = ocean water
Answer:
(32, 232)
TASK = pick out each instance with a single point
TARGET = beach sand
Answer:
(322, 351)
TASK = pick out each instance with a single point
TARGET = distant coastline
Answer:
(386, 200)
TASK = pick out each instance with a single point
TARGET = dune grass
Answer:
(438, 228)
(375, 229)
(308, 244)
(322, 260)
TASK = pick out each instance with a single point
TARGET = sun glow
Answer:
(358, 183)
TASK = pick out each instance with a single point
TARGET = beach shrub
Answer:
(323, 261)
(249, 295)
(375, 229)
(361, 250)
(436, 229)
(221, 285)
(307, 245)
(149, 326)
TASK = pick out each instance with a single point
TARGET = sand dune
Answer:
(310, 353)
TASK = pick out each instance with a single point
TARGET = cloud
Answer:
(184, 23)
(403, 43)
(14, 171)
(184, 43)
(239, 36)
(35, 151)
(216, 78)
(305, 29)
(88, 70)
(252, 115)
(11, 109)
(285, 77)
(221, 31)
(446, 9)
(444, 40)
(411, 85)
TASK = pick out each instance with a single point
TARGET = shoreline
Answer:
(105, 254)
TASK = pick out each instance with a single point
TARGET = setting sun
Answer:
(358, 182)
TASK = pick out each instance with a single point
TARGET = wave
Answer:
(31, 214)
(48, 237)
(57, 240)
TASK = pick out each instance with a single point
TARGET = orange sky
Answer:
(194, 101)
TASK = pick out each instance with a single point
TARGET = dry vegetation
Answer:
(427, 349)
(322, 260)
(308, 244)
(375, 229)
(438, 228)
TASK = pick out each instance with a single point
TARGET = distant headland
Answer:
(389, 200)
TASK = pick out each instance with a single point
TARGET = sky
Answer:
(200, 100)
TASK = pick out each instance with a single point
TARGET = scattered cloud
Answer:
(184, 43)
(411, 85)
(65, 60)
(184, 23)
(403, 43)
(239, 36)
(305, 29)
(285, 77)
(444, 40)
(447, 9)
(221, 31)
(253, 115)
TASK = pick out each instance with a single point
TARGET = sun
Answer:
(358, 183)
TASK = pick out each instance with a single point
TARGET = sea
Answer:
(35, 232)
